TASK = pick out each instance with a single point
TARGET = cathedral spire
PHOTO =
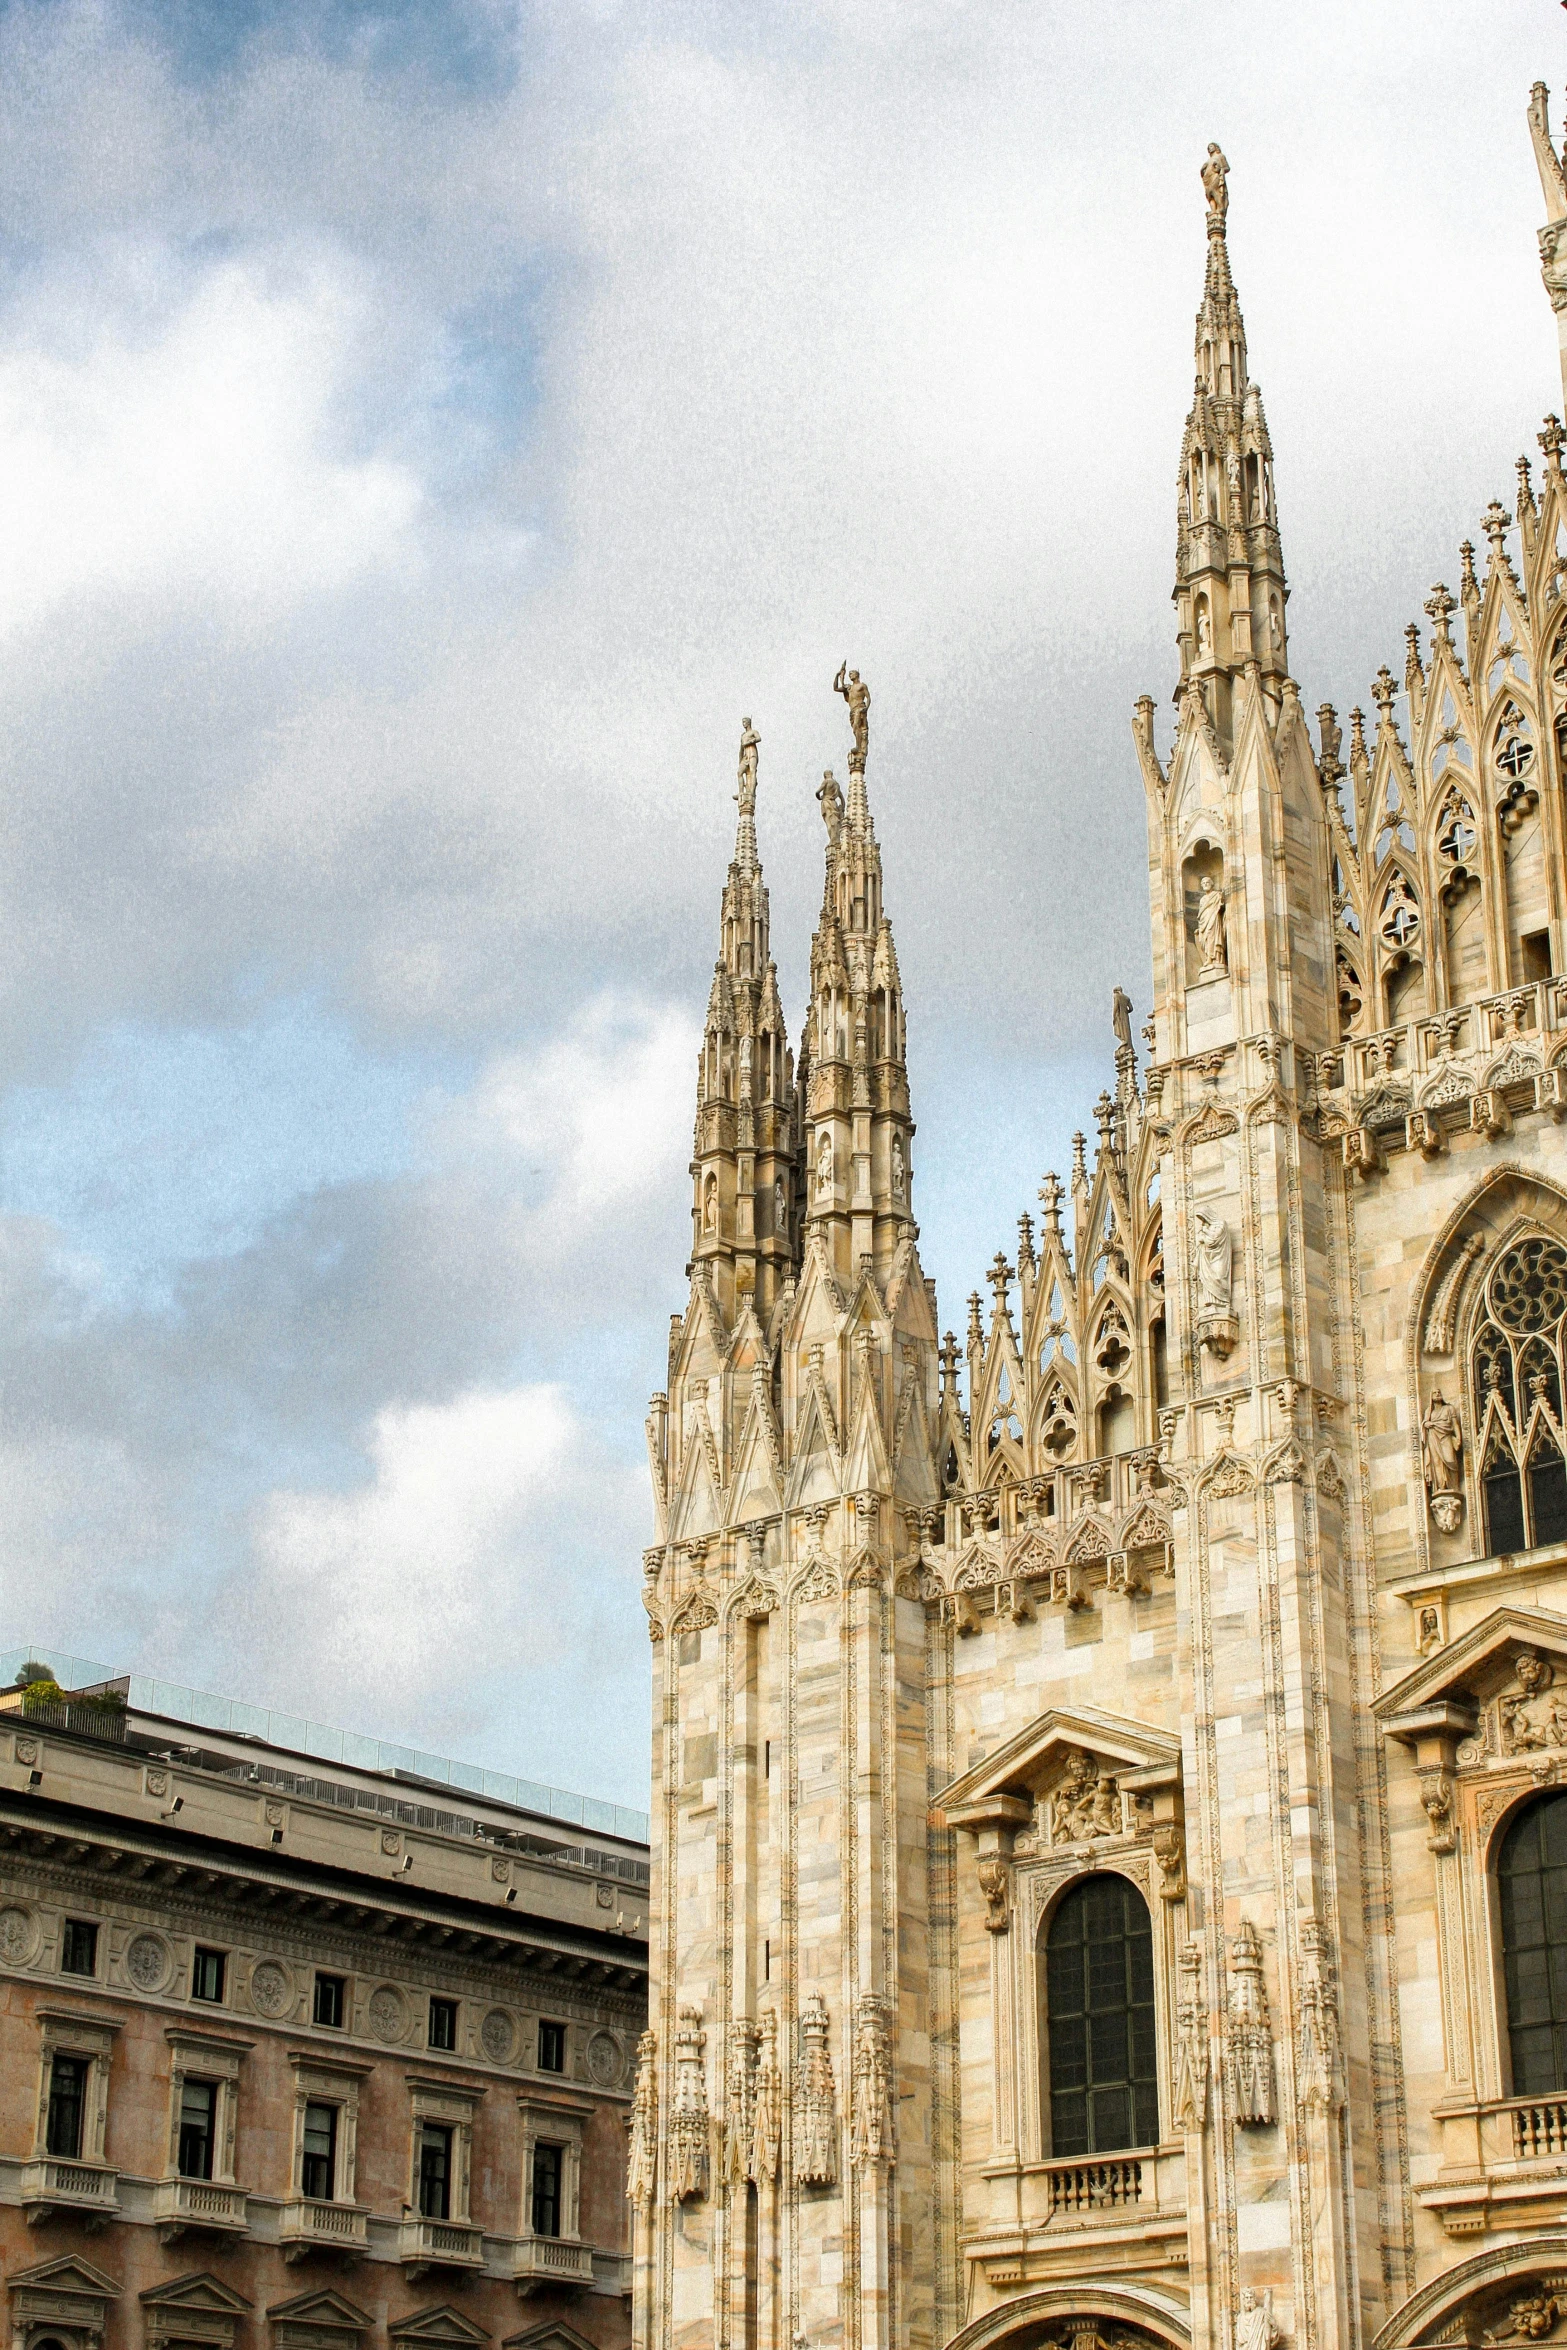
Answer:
(1553, 237)
(1230, 590)
(742, 1167)
(857, 1101)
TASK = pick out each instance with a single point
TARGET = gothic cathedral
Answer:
(1110, 1776)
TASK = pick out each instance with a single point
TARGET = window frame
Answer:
(322, 2081)
(309, 2154)
(449, 2008)
(198, 2055)
(206, 1951)
(89, 2040)
(561, 2043)
(451, 2106)
(329, 1990)
(89, 1927)
(1078, 1888)
(551, 2121)
(548, 2189)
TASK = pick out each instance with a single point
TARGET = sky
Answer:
(425, 430)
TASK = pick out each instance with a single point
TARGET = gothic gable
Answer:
(1026, 1766)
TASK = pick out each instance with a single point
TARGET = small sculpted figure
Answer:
(1212, 952)
(1215, 1265)
(1121, 1016)
(1215, 183)
(858, 696)
(1442, 1441)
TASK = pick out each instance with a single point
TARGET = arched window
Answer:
(1097, 2020)
(1531, 1874)
(1517, 1374)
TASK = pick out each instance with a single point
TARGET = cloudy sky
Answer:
(425, 429)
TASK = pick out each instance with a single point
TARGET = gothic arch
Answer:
(1427, 2315)
(1161, 2318)
(1536, 1201)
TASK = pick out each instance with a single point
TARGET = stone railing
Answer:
(178, 2204)
(1415, 1048)
(439, 2243)
(305, 2226)
(1078, 2186)
(53, 2185)
(1539, 2128)
(552, 2260)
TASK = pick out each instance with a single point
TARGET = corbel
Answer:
(1550, 1092)
(993, 1821)
(1489, 1114)
(1159, 1786)
(1423, 1134)
(1362, 1153)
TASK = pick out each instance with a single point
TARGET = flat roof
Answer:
(171, 1701)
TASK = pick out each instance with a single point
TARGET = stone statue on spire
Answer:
(1216, 184)
(1121, 1018)
(858, 696)
(750, 746)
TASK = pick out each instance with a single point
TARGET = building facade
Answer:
(298, 2054)
(1110, 1775)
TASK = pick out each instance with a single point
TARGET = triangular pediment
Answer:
(322, 2307)
(201, 2293)
(441, 2323)
(554, 2334)
(1470, 1670)
(68, 2274)
(1024, 1766)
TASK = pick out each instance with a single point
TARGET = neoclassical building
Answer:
(1110, 1772)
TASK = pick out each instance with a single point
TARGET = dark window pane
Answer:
(546, 2190)
(1548, 1497)
(552, 2048)
(206, 1975)
(198, 2107)
(67, 2104)
(1098, 2021)
(443, 2023)
(1503, 1512)
(79, 1948)
(435, 2171)
(329, 2001)
(318, 2172)
(1532, 1900)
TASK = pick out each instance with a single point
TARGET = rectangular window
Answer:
(435, 2171)
(79, 1948)
(1536, 946)
(207, 1970)
(67, 2105)
(318, 2171)
(443, 2023)
(546, 2190)
(552, 2047)
(329, 2001)
(198, 2114)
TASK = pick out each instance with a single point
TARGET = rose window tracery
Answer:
(1517, 1358)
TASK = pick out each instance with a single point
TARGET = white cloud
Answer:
(182, 444)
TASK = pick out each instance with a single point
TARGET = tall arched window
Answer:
(1097, 2020)
(1517, 1369)
(1531, 1873)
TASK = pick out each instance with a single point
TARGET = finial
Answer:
(1215, 186)
(1553, 440)
(947, 1356)
(1439, 609)
(745, 793)
(1497, 523)
(1526, 505)
(1330, 767)
(1079, 1162)
(1382, 687)
(976, 1334)
(1050, 1193)
(1000, 1278)
(1357, 738)
(1104, 1118)
(1025, 1241)
(1468, 585)
(858, 696)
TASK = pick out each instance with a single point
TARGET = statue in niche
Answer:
(899, 1169)
(1215, 1267)
(824, 1167)
(858, 696)
(1121, 1017)
(710, 1205)
(1212, 950)
(1441, 1445)
(1204, 630)
(1254, 2327)
(1215, 182)
(780, 1208)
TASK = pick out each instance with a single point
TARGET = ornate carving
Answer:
(688, 2119)
(1532, 1714)
(1169, 1850)
(1436, 1794)
(740, 2101)
(994, 1882)
(1086, 1804)
(642, 2126)
(1248, 2032)
(1189, 2088)
(821, 1582)
(1319, 2025)
(872, 2132)
(815, 2101)
(1230, 1478)
(766, 2105)
(497, 2035)
(270, 1988)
